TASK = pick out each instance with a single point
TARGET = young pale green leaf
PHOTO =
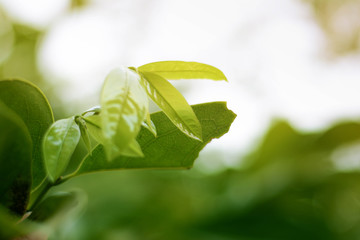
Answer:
(174, 70)
(30, 104)
(93, 124)
(123, 107)
(171, 149)
(59, 144)
(15, 161)
(84, 132)
(94, 127)
(174, 105)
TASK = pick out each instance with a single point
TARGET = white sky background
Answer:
(272, 52)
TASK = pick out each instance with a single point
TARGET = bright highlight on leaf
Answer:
(59, 144)
(174, 105)
(174, 70)
(123, 107)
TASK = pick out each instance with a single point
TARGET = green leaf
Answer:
(15, 161)
(59, 144)
(94, 127)
(171, 148)
(174, 105)
(93, 124)
(27, 101)
(123, 107)
(183, 70)
(84, 132)
(149, 125)
(133, 150)
(56, 205)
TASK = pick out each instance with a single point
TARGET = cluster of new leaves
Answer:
(124, 109)
(35, 151)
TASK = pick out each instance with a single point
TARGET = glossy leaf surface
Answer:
(59, 144)
(15, 161)
(27, 101)
(123, 107)
(183, 70)
(171, 149)
(172, 102)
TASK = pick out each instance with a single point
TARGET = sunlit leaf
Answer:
(15, 161)
(183, 70)
(27, 101)
(133, 150)
(174, 105)
(93, 124)
(59, 144)
(123, 107)
(171, 148)
(94, 127)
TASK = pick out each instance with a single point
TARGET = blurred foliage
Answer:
(340, 20)
(289, 188)
(18, 58)
(294, 185)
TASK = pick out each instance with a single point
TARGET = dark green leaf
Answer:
(59, 144)
(15, 161)
(27, 101)
(172, 102)
(123, 107)
(183, 70)
(171, 148)
(55, 205)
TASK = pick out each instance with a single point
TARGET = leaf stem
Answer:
(44, 189)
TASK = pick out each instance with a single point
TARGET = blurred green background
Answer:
(289, 184)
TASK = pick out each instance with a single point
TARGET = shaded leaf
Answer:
(171, 148)
(123, 107)
(54, 206)
(59, 144)
(15, 161)
(183, 70)
(172, 102)
(27, 101)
